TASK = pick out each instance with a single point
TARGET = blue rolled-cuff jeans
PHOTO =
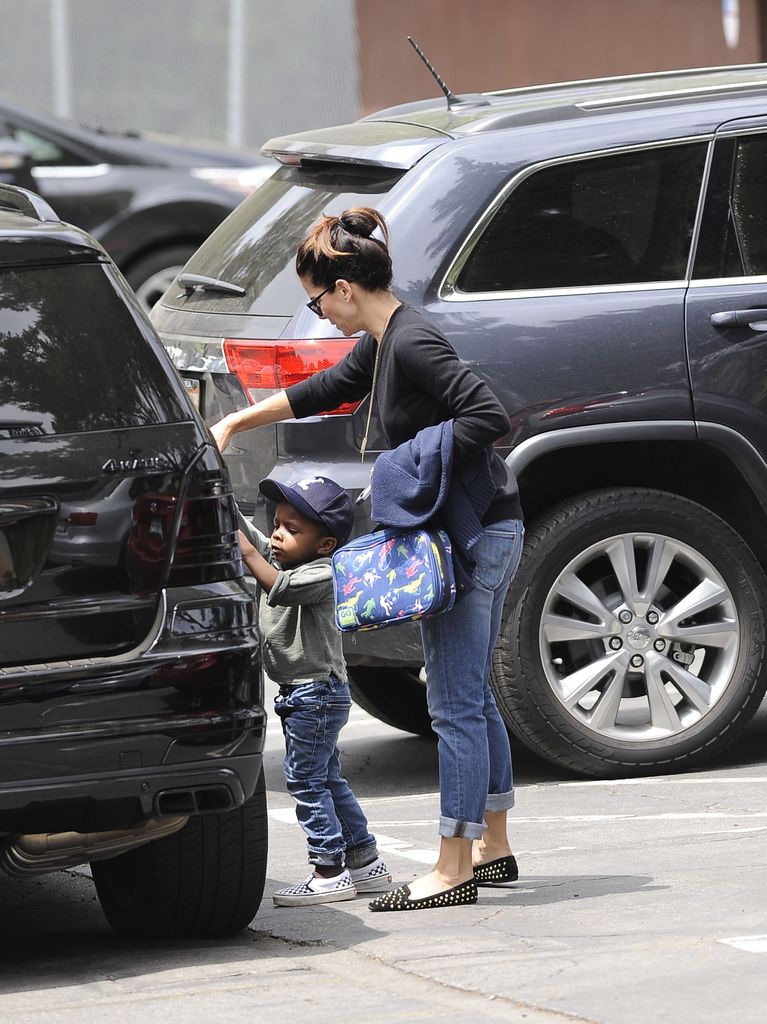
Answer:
(475, 772)
(312, 716)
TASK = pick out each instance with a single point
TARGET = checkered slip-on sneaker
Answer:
(316, 890)
(374, 877)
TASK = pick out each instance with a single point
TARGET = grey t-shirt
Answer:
(299, 639)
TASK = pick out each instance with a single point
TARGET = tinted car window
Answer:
(72, 357)
(749, 204)
(607, 220)
(45, 151)
(256, 246)
(733, 237)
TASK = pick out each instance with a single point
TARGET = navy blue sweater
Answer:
(416, 484)
(421, 382)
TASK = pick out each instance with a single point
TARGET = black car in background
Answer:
(149, 201)
(597, 252)
(131, 706)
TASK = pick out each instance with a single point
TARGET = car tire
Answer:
(395, 696)
(206, 880)
(564, 672)
(152, 274)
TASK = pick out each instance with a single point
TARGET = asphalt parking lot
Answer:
(638, 901)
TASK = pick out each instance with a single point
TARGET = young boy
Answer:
(303, 654)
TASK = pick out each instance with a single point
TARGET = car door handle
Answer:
(740, 318)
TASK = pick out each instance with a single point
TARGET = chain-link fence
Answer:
(233, 70)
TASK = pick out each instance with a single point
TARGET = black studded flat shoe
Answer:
(495, 872)
(399, 899)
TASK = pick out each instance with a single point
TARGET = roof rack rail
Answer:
(644, 75)
(670, 94)
(23, 201)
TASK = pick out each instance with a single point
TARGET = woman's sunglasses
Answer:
(314, 304)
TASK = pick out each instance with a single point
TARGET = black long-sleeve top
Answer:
(421, 382)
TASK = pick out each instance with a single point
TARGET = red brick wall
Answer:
(495, 44)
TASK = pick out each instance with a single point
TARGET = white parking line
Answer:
(731, 831)
(669, 780)
(386, 844)
(402, 848)
(285, 815)
(404, 796)
(665, 781)
(747, 943)
(670, 816)
(542, 853)
(391, 845)
(405, 823)
(545, 818)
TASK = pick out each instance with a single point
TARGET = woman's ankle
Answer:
(484, 852)
(437, 881)
(487, 857)
(494, 842)
(448, 878)
(454, 864)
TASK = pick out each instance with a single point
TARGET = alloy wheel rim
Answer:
(639, 637)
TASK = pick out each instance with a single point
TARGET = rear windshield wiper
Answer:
(189, 282)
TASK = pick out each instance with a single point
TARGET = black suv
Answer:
(149, 201)
(132, 711)
(597, 251)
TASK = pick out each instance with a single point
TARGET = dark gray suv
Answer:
(597, 251)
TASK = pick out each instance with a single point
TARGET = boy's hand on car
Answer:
(245, 546)
(264, 572)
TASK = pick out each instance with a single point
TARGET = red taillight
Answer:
(149, 539)
(207, 549)
(263, 367)
(196, 543)
(82, 518)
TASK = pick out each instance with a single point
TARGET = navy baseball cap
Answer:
(317, 498)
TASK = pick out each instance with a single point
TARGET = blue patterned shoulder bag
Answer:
(392, 576)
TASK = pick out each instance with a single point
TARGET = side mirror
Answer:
(16, 165)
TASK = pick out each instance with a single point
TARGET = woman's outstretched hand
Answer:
(269, 410)
(222, 434)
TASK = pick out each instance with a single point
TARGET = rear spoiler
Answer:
(393, 144)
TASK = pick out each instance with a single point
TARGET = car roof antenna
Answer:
(474, 100)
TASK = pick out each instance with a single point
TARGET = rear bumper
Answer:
(90, 745)
(102, 801)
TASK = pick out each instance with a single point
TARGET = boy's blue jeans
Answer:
(312, 716)
(474, 753)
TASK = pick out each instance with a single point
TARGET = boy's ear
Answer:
(327, 545)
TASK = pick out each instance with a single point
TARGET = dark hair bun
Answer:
(343, 247)
(358, 222)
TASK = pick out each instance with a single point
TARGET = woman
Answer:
(420, 382)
